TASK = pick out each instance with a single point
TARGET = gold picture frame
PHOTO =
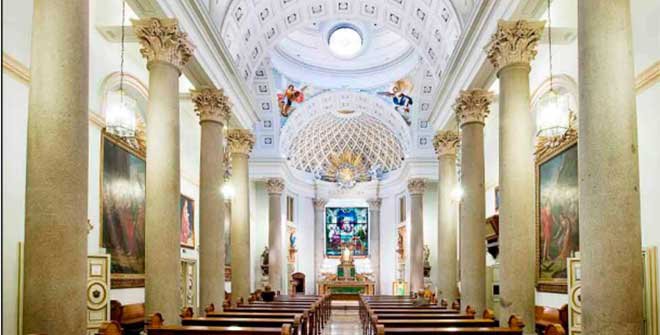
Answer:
(547, 149)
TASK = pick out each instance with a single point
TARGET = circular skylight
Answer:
(345, 42)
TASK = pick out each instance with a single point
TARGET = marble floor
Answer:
(344, 320)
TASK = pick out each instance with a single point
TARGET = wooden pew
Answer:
(156, 327)
(515, 328)
(547, 316)
(111, 327)
(130, 317)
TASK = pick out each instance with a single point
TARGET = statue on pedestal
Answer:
(346, 268)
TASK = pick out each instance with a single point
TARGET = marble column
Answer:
(240, 143)
(416, 189)
(55, 263)
(471, 111)
(445, 143)
(166, 50)
(374, 240)
(512, 48)
(319, 237)
(275, 187)
(610, 236)
(213, 109)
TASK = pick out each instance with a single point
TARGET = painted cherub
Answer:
(285, 100)
(402, 101)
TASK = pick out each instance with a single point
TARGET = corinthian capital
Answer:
(161, 40)
(275, 186)
(445, 142)
(472, 106)
(319, 203)
(240, 141)
(211, 105)
(374, 204)
(514, 42)
(416, 186)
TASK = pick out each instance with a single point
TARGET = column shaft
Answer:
(166, 50)
(162, 250)
(240, 228)
(319, 237)
(213, 109)
(511, 50)
(517, 230)
(275, 254)
(374, 240)
(56, 181)
(445, 143)
(610, 236)
(472, 218)
(471, 111)
(211, 217)
(416, 189)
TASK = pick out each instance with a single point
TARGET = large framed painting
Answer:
(557, 208)
(346, 225)
(122, 211)
(187, 215)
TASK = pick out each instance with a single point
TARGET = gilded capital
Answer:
(161, 40)
(472, 106)
(445, 142)
(416, 186)
(319, 203)
(240, 141)
(275, 186)
(514, 42)
(211, 105)
(374, 204)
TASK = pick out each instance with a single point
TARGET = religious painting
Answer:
(288, 100)
(556, 215)
(346, 226)
(123, 211)
(187, 215)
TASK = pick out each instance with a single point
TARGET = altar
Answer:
(346, 283)
(346, 287)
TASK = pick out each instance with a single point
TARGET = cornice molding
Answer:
(15, 68)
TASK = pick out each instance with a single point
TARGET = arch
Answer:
(132, 85)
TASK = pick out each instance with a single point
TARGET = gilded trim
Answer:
(15, 68)
(644, 80)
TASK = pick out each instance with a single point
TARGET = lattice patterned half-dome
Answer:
(337, 132)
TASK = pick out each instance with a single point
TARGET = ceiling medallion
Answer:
(346, 169)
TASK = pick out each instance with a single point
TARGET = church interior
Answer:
(319, 167)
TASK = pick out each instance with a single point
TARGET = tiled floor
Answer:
(344, 319)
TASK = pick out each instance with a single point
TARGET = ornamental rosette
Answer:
(416, 186)
(472, 106)
(514, 42)
(161, 40)
(445, 142)
(275, 186)
(211, 105)
(240, 141)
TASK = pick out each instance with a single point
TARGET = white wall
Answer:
(258, 227)
(14, 148)
(430, 226)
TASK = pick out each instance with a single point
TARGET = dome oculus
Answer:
(345, 41)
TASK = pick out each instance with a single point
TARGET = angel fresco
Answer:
(402, 101)
(286, 100)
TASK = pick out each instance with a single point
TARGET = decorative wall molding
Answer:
(643, 80)
(15, 68)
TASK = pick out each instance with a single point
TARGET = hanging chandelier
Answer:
(553, 113)
(120, 114)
